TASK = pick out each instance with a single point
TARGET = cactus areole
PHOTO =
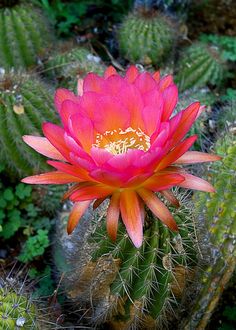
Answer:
(119, 140)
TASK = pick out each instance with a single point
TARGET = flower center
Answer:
(119, 141)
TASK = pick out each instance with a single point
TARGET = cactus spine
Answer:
(24, 35)
(131, 287)
(24, 104)
(199, 66)
(67, 67)
(146, 38)
(220, 218)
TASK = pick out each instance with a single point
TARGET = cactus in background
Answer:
(17, 309)
(24, 35)
(128, 287)
(8, 3)
(199, 66)
(67, 67)
(218, 213)
(25, 104)
(146, 36)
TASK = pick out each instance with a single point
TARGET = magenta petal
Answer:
(113, 84)
(55, 135)
(165, 82)
(69, 108)
(69, 169)
(121, 162)
(193, 182)
(100, 156)
(111, 115)
(93, 83)
(81, 128)
(152, 118)
(90, 103)
(131, 74)
(61, 95)
(110, 71)
(170, 96)
(145, 82)
(163, 136)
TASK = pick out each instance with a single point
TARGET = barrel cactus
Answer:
(198, 66)
(219, 216)
(25, 103)
(24, 36)
(128, 287)
(146, 37)
(67, 67)
(17, 308)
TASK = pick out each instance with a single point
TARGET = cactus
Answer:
(199, 65)
(129, 287)
(76, 63)
(218, 213)
(24, 104)
(146, 38)
(24, 35)
(17, 308)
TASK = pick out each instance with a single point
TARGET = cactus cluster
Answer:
(67, 67)
(219, 216)
(25, 103)
(24, 36)
(131, 287)
(198, 66)
(146, 38)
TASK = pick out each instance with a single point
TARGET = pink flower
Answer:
(119, 140)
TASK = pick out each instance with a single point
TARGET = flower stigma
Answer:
(120, 141)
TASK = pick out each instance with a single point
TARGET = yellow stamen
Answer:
(119, 141)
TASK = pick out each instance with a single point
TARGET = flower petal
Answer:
(43, 146)
(113, 213)
(55, 135)
(56, 177)
(70, 169)
(177, 152)
(162, 181)
(93, 83)
(156, 75)
(170, 197)
(158, 208)
(110, 71)
(145, 82)
(91, 191)
(193, 182)
(76, 214)
(191, 157)
(61, 95)
(80, 88)
(170, 96)
(131, 74)
(165, 82)
(131, 216)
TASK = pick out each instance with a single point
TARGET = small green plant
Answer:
(18, 214)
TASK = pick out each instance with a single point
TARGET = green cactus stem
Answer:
(25, 103)
(198, 66)
(24, 36)
(146, 38)
(218, 212)
(128, 287)
(67, 67)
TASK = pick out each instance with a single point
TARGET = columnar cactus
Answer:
(24, 104)
(67, 67)
(146, 38)
(131, 287)
(218, 212)
(24, 35)
(199, 65)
